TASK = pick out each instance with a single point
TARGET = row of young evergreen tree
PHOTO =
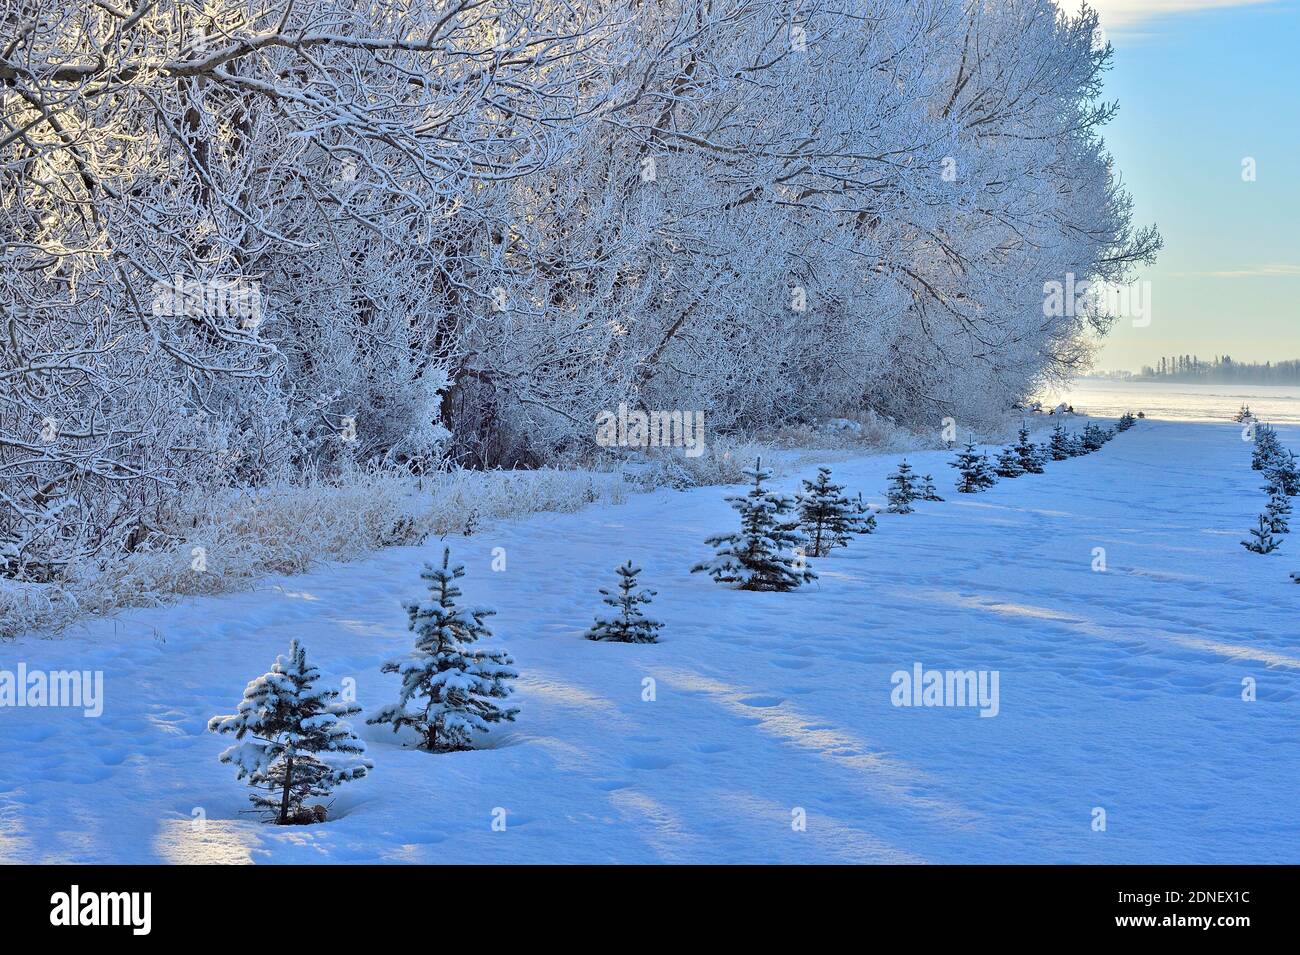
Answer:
(978, 473)
(1281, 482)
(778, 534)
(293, 741)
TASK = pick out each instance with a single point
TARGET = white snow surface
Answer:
(1120, 690)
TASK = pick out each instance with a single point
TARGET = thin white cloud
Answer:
(1250, 272)
(1125, 14)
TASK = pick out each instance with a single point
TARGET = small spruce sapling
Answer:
(1262, 540)
(928, 490)
(1278, 511)
(1028, 452)
(976, 473)
(1093, 437)
(630, 625)
(1009, 464)
(1283, 472)
(827, 518)
(767, 552)
(903, 489)
(1059, 446)
(294, 743)
(448, 686)
(1266, 449)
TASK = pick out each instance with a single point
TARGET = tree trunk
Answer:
(284, 799)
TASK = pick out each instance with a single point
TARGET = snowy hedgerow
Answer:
(1126, 421)
(1277, 511)
(1059, 444)
(1028, 452)
(765, 554)
(630, 625)
(1262, 540)
(976, 472)
(448, 686)
(298, 745)
(827, 518)
(1008, 465)
(903, 489)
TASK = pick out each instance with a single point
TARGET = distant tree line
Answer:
(1223, 369)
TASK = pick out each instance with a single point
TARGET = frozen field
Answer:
(1279, 404)
(1119, 690)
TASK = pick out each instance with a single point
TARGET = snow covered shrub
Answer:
(765, 554)
(630, 625)
(448, 686)
(298, 746)
(827, 518)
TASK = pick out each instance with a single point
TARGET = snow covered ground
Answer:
(1119, 690)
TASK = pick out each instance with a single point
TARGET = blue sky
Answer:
(1202, 85)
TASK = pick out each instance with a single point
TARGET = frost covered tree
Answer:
(449, 687)
(1126, 421)
(470, 226)
(630, 625)
(827, 518)
(293, 741)
(767, 552)
(976, 472)
(1008, 465)
(1262, 540)
(1029, 454)
(903, 489)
